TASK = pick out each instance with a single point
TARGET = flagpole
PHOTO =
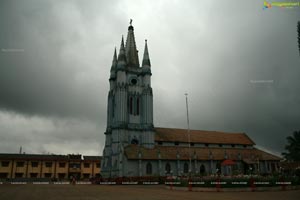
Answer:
(188, 131)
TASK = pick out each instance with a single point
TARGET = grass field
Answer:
(93, 192)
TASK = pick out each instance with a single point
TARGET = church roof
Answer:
(199, 153)
(199, 136)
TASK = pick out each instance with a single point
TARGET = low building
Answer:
(208, 152)
(58, 167)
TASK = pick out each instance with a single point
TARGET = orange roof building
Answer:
(134, 147)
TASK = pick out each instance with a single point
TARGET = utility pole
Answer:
(188, 131)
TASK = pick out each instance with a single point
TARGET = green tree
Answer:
(293, 147)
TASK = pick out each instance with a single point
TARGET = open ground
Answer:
(95, 192)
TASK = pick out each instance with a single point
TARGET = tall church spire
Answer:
(146, 59)
(131, 51)
(122, 57)
(114, 62)
(113, 66)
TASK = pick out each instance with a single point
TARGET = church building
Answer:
(134, 147)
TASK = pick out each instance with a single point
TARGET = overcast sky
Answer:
(240, 65)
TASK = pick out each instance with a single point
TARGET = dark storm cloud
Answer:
(48, 135)
(239, 64)
(53, 68)
(46, 59)
(241, 72)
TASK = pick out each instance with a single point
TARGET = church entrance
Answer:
(168, 168)
(202, 169)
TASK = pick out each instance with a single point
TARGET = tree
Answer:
(293, 147)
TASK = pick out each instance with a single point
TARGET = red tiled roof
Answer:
(200, 153)
(199, 136)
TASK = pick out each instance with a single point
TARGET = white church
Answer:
(134, 147)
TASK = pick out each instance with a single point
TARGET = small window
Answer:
(48, 164)
(62, 165)
(134, 141)
(176, 143)
(133, 81)
(5, 163)
(130, 105)
(3, 175)
(61, 175)
(33, 175)
(86, 175)
(20, 164)
(159, 142)
(232, 145)
(138, 106)
(48, 175)
(74, 165)
(206, 145)
(86, 165)
(192, 144)
(34, 164)
(245, 146)
(19, 175)
(98, 165)
(220, 145)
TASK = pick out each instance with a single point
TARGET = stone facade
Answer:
(130, 106)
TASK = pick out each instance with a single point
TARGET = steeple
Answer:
(113, 66)
(114, 62)
(146, 59)
(131, 51)
(122, 57)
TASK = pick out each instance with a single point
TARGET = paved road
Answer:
(97, 192)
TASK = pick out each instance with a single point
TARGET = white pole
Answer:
(188, 130)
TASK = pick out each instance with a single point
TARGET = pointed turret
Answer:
(131, 51)
(122, 56)
(113, 66)
(146, 59)
(114, 62)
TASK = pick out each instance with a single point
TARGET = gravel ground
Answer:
(95, 192)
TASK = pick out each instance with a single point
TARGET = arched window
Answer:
(138, 106)
(134, 141)
(186, 168)
(168, 168)
(130, 105)
(202, 169)
(148, 168)
(218, 167)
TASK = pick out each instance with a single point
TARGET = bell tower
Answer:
(129, 107)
